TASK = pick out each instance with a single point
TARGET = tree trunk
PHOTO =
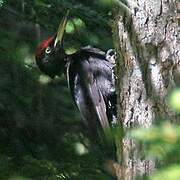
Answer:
(146, 40)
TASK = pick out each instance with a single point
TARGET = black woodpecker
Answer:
(90, 77)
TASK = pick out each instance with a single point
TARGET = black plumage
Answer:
(91, 81)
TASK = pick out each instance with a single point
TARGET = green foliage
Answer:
(79, 23)
(174, 100)
(170, 173)
(162, 142)
(70, 27)
(41, 133)
(1, 3)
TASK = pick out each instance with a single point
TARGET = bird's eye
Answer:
(48, 50)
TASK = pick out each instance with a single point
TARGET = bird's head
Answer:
(50, 55)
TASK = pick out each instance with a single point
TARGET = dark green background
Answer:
(39, 124)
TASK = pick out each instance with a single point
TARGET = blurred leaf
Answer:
(106, 3)
(79, 23)
(169, 173)
(44, 79)
(1, 3)
(70, 27)
(80, 149)
(174, 100)
(159, 140)
(94, 39)
(70, 50)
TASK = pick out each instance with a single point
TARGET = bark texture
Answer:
(148, 67)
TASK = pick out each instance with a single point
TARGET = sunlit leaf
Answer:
(169, 173)
(1, 3)
(78, 22)
(43, 79)
(70, 50)
(70, 27)
(174, 100)
(80, 149)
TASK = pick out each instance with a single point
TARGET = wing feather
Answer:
(94, 94)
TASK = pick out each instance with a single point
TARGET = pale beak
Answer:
(61, 29)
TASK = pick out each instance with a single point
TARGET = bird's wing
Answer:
(90, 49)
(93, 93)
(90, 81)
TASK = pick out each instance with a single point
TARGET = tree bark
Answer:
(148, 67)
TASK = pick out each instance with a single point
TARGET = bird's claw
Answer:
(111, 56)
